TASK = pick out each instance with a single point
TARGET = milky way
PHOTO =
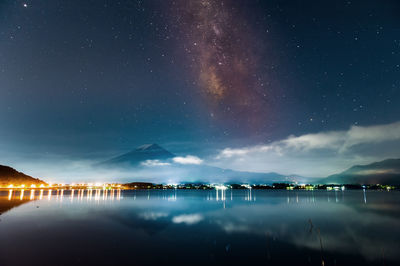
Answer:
(222, 51)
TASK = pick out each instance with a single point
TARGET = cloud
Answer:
(372, 134)
(188, 219)
(316, 154)
(189, 159)
(154, 163)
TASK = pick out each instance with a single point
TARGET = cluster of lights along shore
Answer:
(49, 186)
(134, 186)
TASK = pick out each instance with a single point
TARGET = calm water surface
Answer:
(239, 227)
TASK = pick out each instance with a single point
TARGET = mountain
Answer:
(140, 154)
(211, 174)
(153, 163)
(9, 176)
(386, 172)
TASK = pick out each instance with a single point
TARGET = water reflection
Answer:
(219, 195)
(228, 227)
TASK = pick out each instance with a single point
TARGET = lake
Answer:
(196, 227)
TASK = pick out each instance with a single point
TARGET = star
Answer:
(25, 5)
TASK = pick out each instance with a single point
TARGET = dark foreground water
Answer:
(239, 227)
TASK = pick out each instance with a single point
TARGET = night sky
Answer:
(86, 80)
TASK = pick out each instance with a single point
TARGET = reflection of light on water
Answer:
(365, 196)
(217, 190)
(114, 194)
(170, 197)
(248, 196)
(97, 195)
(89, 195)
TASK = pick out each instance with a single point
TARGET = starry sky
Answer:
(91, 79)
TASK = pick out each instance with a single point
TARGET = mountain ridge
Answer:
(386, 172)
(9, 175)
(140, 154)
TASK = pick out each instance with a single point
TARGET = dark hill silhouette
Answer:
(9, 176)
(386, 172)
